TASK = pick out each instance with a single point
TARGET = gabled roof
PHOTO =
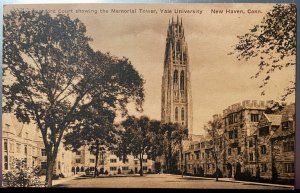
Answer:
(274, 119)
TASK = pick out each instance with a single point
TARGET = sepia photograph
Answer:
(173, 96)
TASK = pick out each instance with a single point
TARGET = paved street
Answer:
(157, 181)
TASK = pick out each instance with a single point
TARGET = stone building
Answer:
(240, 120)
(176, 86)
(253, 139)
(24, 141)
(273, 150)
(84, 160)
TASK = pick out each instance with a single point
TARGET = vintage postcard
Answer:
(149, 96)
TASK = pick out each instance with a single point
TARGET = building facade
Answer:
(254, 140)
(24, 142)
(109, 163)
(176, 86)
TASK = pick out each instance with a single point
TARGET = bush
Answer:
(130, 172)
(106, 172)
(61, 175)
(119, 171)
(55, 177)
(21, 175)
(220, 174)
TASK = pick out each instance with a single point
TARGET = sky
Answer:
(218, 80)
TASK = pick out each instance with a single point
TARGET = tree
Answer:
(215, 132)
(273, 43)
(174, 134)
(95, 130)
(52, 76)
(135, 138)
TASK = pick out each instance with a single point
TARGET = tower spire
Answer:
(176, 92)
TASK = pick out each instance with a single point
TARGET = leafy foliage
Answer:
(54, 78)
(273, 42)
(21, 176)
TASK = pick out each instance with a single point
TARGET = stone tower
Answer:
(176, 101)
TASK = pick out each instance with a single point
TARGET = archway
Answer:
(77, 169)
(82, 169)
(238, 168)
(229, 170)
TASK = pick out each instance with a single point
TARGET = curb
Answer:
(236, 181)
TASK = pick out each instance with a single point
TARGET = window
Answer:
(264, 168)
(234, 118)
(126, 160)
(197, 155)
(144, 160)
(230, 134)
(145, 168)
(202, 145)
(251, 156)
(125, 168)
(77, 161)
(6, 162)
(288, 167)
(263, 149)
(288, 146)
(235, 133)
(113, 160)
(25, 149)
(5, 145)
(18, 148)
(203, 155)
(254, 117)
(182, 114)
(175, 77)
(229, 151)
(182, 80)
(263, 131)
(286, 125)
(176, 114)
(239, 150)
(92, 160)
(113, 168)
(250, 143)
(43, 152)
(43, 165)
(77, 152)
(58, 165)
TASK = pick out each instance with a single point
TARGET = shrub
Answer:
(119, 171)
(106, 172)
(21, 175)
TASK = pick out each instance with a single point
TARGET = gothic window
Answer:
(175, 77)
(176, 114)
(182, 80)
(182, 114)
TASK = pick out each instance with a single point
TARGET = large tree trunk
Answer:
(217, 172)
(49, 171)
(97, 157)
(141, 165)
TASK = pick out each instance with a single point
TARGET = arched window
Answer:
(175, 77)
(176, 114)
(182, 114)
(182, 80)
